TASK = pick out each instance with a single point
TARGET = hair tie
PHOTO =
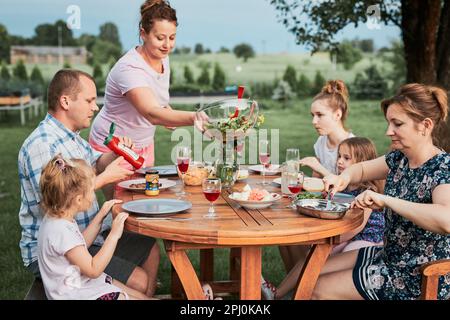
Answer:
(61, 164)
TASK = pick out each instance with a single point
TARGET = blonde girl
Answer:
(67, 268)
(329, 111)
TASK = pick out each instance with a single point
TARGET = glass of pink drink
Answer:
(183, 160)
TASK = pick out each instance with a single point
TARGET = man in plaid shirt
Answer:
(71, 107)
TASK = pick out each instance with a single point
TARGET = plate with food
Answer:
(255, 198)
(169, 170)
(153, 207)
(339, 197)
(271, 170)
(318, 208)
(139, 184)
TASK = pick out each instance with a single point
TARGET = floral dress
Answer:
(392, 272)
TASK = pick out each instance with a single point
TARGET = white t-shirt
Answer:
(327, 157)
(62, 280)
(130, 72)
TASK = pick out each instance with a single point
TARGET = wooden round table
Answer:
(246, 231)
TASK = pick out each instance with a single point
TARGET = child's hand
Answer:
(311, 162)
(107, 207)
(117, 225)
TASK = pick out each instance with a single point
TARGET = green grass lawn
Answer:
(296, 130)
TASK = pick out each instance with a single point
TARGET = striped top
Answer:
(46, 141)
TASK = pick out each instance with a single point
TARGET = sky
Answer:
(214, 23)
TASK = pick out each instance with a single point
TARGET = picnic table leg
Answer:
(186, 273)
(311, 269)
(251, 273)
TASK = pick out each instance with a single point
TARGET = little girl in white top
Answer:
(329, 111)
(67, 268)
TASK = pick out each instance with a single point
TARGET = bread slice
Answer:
(313, 185)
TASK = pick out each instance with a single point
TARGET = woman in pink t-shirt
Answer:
(137, 88)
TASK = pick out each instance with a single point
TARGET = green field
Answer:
(262, 68)
(294, 124)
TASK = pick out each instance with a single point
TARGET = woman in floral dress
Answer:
(416, 203)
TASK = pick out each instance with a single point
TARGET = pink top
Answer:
(130, 72)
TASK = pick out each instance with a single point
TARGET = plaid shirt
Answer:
(47, 140)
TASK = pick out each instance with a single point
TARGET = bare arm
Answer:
(146, 104)
(319, 170)
(434, 217)
(376, 169)
(93, 267)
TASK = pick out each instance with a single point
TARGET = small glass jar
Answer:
(152, 183)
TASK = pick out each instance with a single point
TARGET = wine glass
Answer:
(183, 160)
(211, 190)
(264, 158)
(295, 185)
(292, 155)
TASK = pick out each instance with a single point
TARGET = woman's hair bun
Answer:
(336, 87)
(147, 5)
(442, 101)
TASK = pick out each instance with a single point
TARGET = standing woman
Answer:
(137, 88)
(416, 204)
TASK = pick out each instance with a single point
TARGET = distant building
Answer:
(47, 54)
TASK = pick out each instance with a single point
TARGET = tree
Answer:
(203, 79)
(188, 76)
(218, 82)
(20, 72)
(283, 92)
(97, 74)
(4, 73)
(67, 65)
(244, 51)
(103, 51)
(5, 44)
(36, 75)
(110, 33)
(290, 76)
(319, 82)
(199, 49)
(303, 86)
(87, 40)
(424, 25)
(47, 34)
(223, 50)
(347, 54)
(397, 72)
(371, 85)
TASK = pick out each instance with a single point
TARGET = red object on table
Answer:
(113, 143)
(240, 94)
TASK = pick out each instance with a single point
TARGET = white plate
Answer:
(272, 170)
(164, 184)
(254, 204)
(154, 207)
(277, 181)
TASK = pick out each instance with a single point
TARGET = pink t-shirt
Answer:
(130, 72)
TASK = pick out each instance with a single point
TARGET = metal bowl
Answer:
(317, 208)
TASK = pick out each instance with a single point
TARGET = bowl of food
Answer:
(317, 208)
(195, 175)
(254, 198)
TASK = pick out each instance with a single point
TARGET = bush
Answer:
(290, 76)
(219, 78)
(204, 79)
(283, 92)
(261, 90)
(347, 54)
(188, 76)
(371, 85)
(4, 73)
(319, 82)
(185, 89)
(67, 65)
(20, 72)
(304, 86)
(36, 75)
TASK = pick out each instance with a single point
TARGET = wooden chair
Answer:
(430, 277)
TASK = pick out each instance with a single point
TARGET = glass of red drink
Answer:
(183, 160)
(211, 190)
(295, 186)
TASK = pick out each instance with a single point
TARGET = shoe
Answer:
(268, 289)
